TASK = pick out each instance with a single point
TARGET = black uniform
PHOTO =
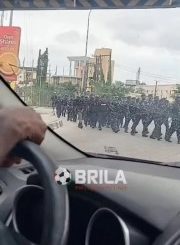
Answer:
(127, 114)
(101, 113)
(136, 116)
(114, 116)
(122, 112)
(147, 115)
(64, 106)
(58, 107)
(53, 101)
(175, 125)
(93, 106)
(70, 110)
(86, 111)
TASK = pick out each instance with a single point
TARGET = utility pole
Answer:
(40, 80)
(109, 72)
(63, 73)
(138, 76)
(24, 79)
(32, 73)
(49, 73)
(32, 70)
(155, 90)
(87, 34)
(110, 68)
(11, 18)
(23, 71)
(2, 18)
(56, 71)
(86, 48)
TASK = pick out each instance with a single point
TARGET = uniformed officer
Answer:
(53, 101)
(127, 114)
(114, 115)
(86, 111)
(58, 107)
(147, 116)
(175, 125)
(136, 115)
(101, 112)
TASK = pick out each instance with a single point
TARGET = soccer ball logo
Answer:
(62, 176)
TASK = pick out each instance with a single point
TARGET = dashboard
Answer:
(138, 215)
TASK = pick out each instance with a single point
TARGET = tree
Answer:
(176, 92)
(109, 75)
(112, 90)
(140, 91)
(41, 96)
(42, 66)
(68, 89)
(119, 83)
(38, 74)
(45, 64)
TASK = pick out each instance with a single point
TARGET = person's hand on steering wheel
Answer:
(16, 125)
(17, 128)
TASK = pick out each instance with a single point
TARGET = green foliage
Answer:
(109, 77)
(112, 90)
(176, 92)
(140, 91)
(41, 96)
(42, 66)
(67, 89)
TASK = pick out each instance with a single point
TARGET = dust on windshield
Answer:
(108, 81)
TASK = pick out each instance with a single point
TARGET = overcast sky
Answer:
(149, 39)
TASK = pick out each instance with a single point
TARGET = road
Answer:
(107, 142)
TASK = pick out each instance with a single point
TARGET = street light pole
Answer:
(11, 18)
(2, 18)
(87, 34)
(86, 49)
(32, 83)
(155, 91)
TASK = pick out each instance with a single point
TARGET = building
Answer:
(132, 82)
(27, 75)
(104, 65)
(77, 65)
(99, 67)
(65, 79)
(163, 91)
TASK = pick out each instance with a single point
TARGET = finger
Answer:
(9, 161)
(38, 135)
(13, 159)
(17, 160)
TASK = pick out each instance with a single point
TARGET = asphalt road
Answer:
(107, 142)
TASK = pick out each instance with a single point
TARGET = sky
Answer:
(149, 39)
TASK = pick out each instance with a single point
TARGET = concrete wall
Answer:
(163, 91)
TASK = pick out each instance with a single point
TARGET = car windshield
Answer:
(107, 81)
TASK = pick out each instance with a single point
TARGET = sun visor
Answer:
(86, 4)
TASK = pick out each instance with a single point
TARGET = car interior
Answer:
(34, 209)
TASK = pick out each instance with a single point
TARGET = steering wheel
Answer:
(56, 210)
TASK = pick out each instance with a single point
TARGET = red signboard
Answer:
(9, 52)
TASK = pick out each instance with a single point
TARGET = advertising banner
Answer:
(9, 52)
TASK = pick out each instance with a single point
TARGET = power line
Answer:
(155, 75)
(148, 74)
